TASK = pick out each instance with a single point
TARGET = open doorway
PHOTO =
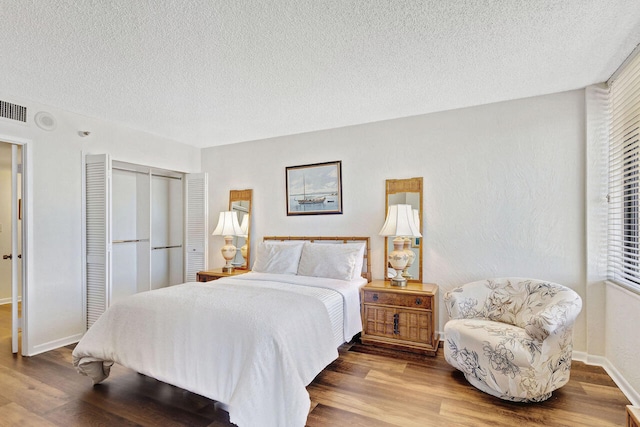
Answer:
(10, 245)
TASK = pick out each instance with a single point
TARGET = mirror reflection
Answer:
(406, 192)
(240, 202)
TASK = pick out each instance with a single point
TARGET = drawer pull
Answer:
(395, 324)
(375, 297)
(418, 301)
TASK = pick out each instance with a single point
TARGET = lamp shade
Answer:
(228, 225)
(400, 222)
(416, 218)
(244, 226)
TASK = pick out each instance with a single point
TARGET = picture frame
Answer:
(314, 189)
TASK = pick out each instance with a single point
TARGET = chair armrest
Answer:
(553, 318)
(465, 303)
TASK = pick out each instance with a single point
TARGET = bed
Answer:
(252, 342)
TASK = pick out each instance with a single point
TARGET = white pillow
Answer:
(278, 257)
(334, 261)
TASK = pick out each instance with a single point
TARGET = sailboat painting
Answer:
(314, 189)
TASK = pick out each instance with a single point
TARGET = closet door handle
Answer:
(155, 248)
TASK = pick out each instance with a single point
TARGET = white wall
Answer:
(504, 188)
(622, 339)
(53, 203)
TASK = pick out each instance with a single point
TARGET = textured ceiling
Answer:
(212, 72)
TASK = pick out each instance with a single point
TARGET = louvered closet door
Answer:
(196, 225)
(98, 234)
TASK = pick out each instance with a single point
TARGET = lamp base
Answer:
(412, 256)
(228, 253)
(398, 260)
(398, 281)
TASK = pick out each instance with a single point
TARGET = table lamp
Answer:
(228, 227)
(399, 223)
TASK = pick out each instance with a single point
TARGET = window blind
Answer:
(624, 176)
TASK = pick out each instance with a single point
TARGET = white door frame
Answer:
(15, 254)
(27, 221)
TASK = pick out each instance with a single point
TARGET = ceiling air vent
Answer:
(13, 111)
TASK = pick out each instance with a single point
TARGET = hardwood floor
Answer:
(363, 387)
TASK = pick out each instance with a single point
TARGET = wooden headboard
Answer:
(366, 265)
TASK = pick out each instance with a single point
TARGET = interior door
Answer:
(97, 230)
(196, 225)
(15, 247)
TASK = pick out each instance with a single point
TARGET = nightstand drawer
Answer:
(400, 324)
(401, 300)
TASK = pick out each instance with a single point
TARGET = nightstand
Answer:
(215, 274)
(633, 416)
(402, 318)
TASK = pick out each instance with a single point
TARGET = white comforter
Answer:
(245, 343)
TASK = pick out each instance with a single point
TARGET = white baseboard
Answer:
(617, 378)
(581, 356)
(52, 345)
(4, 301)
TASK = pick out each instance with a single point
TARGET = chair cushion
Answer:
(506, 348)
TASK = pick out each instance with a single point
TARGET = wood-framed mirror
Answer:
(405, 192)
(240, 202)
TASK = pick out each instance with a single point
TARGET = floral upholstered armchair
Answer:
(512, 337)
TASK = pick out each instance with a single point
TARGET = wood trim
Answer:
(344, 239)
(239, 195)
(410, 185)
(243, 196)
(217, 273)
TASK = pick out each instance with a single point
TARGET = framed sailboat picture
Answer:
(314, 189)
